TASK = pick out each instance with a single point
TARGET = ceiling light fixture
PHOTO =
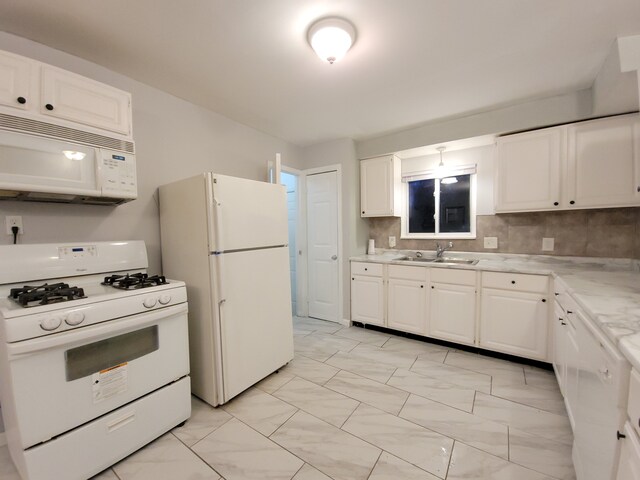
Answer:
(331, 38)
(442, 170)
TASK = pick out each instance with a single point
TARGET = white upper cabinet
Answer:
(15, 84)
(603, 168)
(528, 170)
(79, 99)
(594, 164)
(380, 187)
(37, 91)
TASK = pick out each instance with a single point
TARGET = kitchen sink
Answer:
(444, 260)
(454, 261)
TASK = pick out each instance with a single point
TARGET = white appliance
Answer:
(227, 239)
(89, 373)
(37, 168)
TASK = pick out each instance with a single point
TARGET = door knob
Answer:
(334, 257)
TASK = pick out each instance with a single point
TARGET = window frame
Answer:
(404, 218)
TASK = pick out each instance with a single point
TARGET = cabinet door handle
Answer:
(620, 435)
(363, 212)
(513, 282)
(421, 286)
(544, 300)
(556, 204)
(572, 202)
(48, 106)
(432, 286)
(21, 100)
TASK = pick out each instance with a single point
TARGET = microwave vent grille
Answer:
(35, 127)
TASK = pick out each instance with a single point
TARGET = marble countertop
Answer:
(608, 290)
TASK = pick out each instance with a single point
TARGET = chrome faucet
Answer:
(440, 249)
(418, 254)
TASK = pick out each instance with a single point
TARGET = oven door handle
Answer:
(71, 338)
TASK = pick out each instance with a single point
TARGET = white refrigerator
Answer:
(227, 238)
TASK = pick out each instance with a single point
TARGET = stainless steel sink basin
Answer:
(454, 261)
(444, 260)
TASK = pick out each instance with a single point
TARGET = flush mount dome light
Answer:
(331, 38)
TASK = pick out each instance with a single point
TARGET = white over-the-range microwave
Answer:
(40, 168)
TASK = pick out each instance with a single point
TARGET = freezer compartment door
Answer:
(246, 214)
(254, 316)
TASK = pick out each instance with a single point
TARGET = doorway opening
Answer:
(290, 181)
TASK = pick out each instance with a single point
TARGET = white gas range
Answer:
(93, 356)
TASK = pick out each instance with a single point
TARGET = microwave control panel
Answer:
(118, 174)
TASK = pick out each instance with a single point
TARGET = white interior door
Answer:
(322, 240)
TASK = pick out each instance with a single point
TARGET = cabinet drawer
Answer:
(408, 273)
(633, 407)
(363, 268)
(515, 281)
(456, 277)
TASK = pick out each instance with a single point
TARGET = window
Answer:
(439, 209)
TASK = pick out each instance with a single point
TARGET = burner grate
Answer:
(134, 281)
(45, 294)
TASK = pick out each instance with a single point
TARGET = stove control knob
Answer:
(51, 323)
(150, 302)
(164, 299)
(74, 318)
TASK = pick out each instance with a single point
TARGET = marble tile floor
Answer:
(358, 404)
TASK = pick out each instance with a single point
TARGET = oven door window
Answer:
(95, 357)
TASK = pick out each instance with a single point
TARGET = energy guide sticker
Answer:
(109, 382)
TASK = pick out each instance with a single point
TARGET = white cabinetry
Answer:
(514, 314)
(593, 164)
(453, 305)
(59, 97)
(407, 295)
(15, 81)
(78, 99)
(629, 465)
(380, 187)
(603, 168)
(528, 170)
(367, 293)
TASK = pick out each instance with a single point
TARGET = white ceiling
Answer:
(414, 61)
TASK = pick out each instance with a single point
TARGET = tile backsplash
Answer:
(611, 232)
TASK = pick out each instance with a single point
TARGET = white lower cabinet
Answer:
(443, 303)
(514, 322)
(407, 297)
(367, 293)
(453, 313)
(559, 330)
(629, 466)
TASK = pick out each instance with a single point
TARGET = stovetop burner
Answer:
(134, 280)
(32, 296)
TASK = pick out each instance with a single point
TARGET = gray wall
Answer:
(174, 139)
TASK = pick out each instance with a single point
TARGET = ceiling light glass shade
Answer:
(331, 38)
(449, 180)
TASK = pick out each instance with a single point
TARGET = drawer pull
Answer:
(365, 269)
(544, 300)
(513, 282)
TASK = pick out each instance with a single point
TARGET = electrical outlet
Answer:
(547, 244)
(490, 242)
(392, 241)
(15, 221)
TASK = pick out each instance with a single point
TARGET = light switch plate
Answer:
(547, 244)
(392, 241)
(490, 242)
